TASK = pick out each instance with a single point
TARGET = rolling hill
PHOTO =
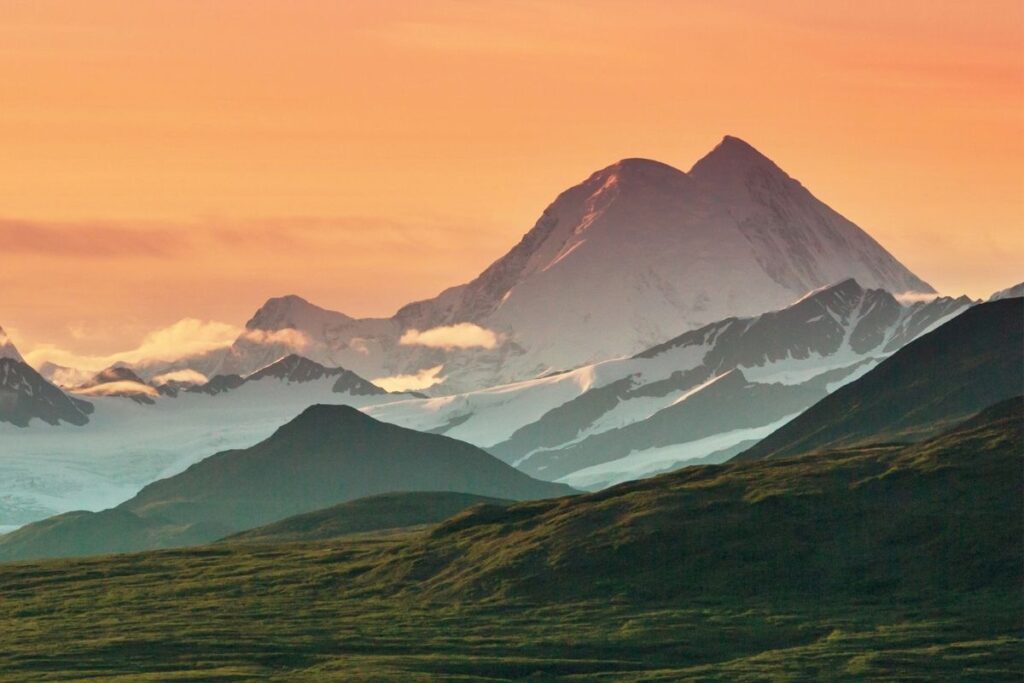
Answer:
(374, 513)
(325, 456)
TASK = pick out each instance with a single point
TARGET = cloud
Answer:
(287, 337)
(88, 240)
(186, 376)
(119, 389)
(460, 336)
(915, 297)
(187, 337)
(424, 379)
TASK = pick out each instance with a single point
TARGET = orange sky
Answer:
(186, 158)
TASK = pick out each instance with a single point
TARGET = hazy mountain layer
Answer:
(325, 456)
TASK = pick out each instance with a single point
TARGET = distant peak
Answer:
(320, 419)
(632, 164)
(7, 348)
(847, 287)
(289, 311)
(288, 301)
(639, 170)
(733, 157)
(293, 367)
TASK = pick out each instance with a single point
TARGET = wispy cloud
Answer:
(107, 240)
(184, 338)
(186, 376)
(424, 379)
(86, 240)
(287, 337)
(915, 297)
(459, 336)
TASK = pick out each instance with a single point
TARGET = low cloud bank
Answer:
(288, 337)
(915, 297)
(424, 379)
(119, 389)
(184, 376)
(187, 337)
(459, 336)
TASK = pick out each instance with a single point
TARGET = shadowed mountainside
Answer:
(971, 362)
(942, 515)
(325, 456)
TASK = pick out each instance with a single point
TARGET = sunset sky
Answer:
(180, 159)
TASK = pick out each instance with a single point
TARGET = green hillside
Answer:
(386, 511)
(885, 563)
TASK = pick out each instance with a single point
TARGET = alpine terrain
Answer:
(634, 255)
(704, 395)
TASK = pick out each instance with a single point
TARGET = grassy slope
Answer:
(374, 513)
(945, 515)
(292, 613)
(885, 563)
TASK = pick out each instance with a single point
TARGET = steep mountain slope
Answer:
(325, 456)
(7, 348)
(25, 395)
(972, 361)
(706, 394)
(927, 519)
(385, 511)
(628, 258)
(1009, 293)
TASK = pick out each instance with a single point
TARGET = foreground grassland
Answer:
(893, 562)
(297, 612)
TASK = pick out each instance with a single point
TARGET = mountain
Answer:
(1009, 293)
(633, 255)
(63, 376)
(118, 381)
(931, 519)
(115, 373)
(137, 434)
(704, 395)
(294, 369)
(972, 361)
(375, 513)
(25, 395)
(325, 456)
(7, 348)
(892, 564)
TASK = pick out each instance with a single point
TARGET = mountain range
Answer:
(631, 318)
(635, 254)
(706, 394)
(129, 433)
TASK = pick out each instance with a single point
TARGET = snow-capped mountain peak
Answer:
(733, 159)
(7, 348)
(1008, 293)
(633, 255)
(291, 312)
